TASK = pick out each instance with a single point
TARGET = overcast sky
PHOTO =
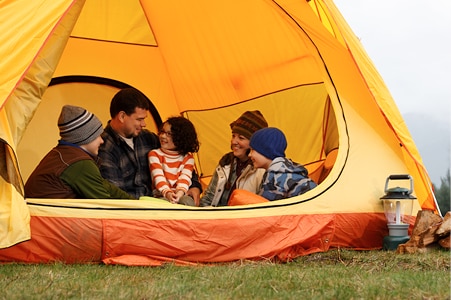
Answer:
(409, 42)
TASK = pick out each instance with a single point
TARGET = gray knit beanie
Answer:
(78, 126)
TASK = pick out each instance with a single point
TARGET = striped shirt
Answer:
(170, 171)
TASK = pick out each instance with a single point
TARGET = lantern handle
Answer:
(399, 177)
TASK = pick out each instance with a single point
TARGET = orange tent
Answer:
(298, 62)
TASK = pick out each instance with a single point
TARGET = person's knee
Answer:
(187, 200)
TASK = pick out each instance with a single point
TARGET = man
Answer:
(126, 144)
(69, 170)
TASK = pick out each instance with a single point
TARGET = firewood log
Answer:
(445, 243)
(445, 227)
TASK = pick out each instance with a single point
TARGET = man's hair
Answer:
(128, 100)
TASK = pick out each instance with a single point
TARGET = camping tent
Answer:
(298, 62)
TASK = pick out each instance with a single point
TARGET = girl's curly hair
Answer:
(184, 135)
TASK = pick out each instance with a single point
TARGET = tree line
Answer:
(442, 193)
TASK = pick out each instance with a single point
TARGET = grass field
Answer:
(337, 274)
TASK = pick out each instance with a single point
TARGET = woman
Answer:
(235, 169)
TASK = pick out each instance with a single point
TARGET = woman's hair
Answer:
(184, 135)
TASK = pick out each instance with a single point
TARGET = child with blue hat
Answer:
(283, 178)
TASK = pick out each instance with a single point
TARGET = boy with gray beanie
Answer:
(70, 169)
(283, 178)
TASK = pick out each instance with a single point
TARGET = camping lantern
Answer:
(398, 205)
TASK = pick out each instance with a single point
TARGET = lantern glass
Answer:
(398, 211)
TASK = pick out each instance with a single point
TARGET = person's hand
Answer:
(195, 194)
(178, 195)
(171, 197)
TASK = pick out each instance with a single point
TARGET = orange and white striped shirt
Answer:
(170, 171)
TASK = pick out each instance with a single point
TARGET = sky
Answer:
(409, 42)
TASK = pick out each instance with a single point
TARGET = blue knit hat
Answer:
(269, 142)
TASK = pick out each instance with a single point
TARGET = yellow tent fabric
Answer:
(298, 62)
(29, 57)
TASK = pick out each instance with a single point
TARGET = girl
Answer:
(171, 166)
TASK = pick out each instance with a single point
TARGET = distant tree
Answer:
(443, 195)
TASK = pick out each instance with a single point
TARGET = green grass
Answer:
(337, 274)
